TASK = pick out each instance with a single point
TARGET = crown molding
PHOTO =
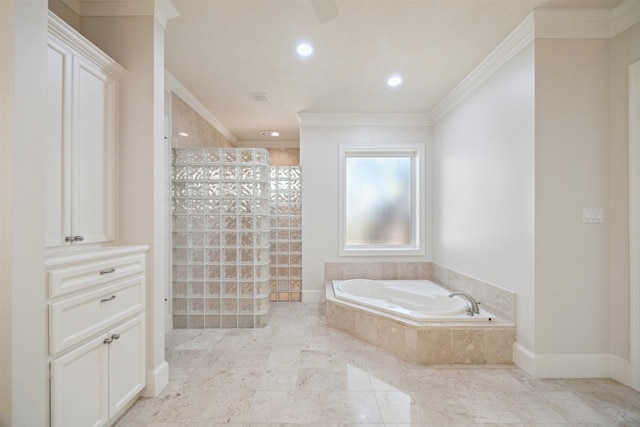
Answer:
(172, 84)
(586, 23)
(60, 29)
(572, 24)
(74, 5)
(268, 144)
(364, 119)
(625, 15)
(519, 38)
(163, 10)
(543, 23)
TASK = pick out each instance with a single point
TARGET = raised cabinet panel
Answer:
(58, 154)
(126, 363)
(96, 329)
(82, 123)
(77, 318)
(92, 184)
(79, 386)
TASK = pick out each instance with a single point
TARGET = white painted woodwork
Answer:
(79, 386)
(77, 318)
(126, 363)
(92, 383)
(96, 333)
(82, 127)
(81, 276)
(58, 152)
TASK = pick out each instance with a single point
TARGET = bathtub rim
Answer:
(462, 317)
(497, 321)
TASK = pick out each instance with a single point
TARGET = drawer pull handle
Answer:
(108, 299)
(115, 336)
(108, 271)
(107, 341)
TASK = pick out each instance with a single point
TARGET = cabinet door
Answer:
(126, 363)
(58, 146)
(79, 388)
(93, 144)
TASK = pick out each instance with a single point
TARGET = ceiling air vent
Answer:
(260, 96)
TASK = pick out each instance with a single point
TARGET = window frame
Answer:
(416, 152)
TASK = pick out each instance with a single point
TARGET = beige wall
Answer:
(571, 173)
(625, 50)
(200, 133)
(64, 13)
(284, 156)
(137, 43)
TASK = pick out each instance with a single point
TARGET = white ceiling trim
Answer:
(60, 28)
(364, 119)
(268, 144)
(507, 49)
(163, 10)
(172, 84)
(543, 23)
(572, 24)
(586, 23)
(625, 15)
(74, 5)
(117, 8)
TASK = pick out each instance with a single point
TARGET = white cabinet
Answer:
(96, 333)
(82, 89)
(91, 383)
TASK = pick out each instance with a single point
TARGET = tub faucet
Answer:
(473, 304)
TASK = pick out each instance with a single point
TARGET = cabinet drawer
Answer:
(65, 280)
(75, 319)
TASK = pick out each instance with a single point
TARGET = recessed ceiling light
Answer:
(304, 49)
(270, 133)
(183, 134)
(394, 81)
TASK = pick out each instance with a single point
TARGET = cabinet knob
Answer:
(107, 341)
(78, 238)
(69, 239)
(115, 336)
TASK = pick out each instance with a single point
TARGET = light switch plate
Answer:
(593, 215)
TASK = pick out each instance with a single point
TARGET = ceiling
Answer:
(223, 51)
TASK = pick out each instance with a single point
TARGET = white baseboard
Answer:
(157, 380)
(600, 365)
(313, 296)
(621, 370)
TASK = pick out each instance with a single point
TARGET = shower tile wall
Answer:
(286, 233)
(220, 238)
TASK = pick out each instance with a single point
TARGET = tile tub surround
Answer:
(297, 371)
(427, 343)
(496, 300)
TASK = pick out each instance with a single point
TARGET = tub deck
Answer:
(427, 343)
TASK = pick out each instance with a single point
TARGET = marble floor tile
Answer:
(298, 372)
(278, 379)
(335, 406)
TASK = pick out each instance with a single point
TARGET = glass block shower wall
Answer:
(220, 232)
(286, 233)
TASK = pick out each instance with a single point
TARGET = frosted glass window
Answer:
(378, 210)
(381, 200)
